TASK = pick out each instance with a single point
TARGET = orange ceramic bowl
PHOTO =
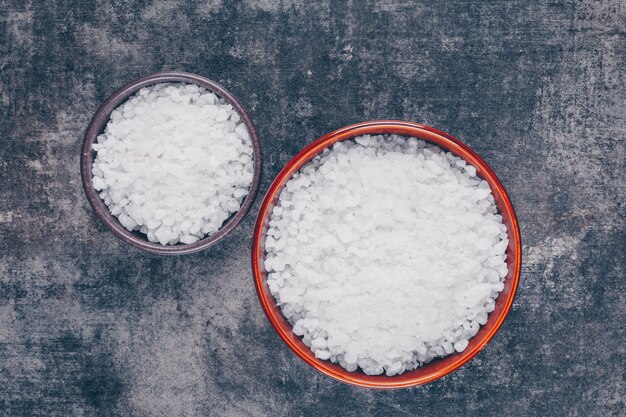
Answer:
(438, 367)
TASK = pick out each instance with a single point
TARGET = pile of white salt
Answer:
(174, 162)
(385, 253)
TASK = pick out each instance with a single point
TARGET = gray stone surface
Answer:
(92, 327)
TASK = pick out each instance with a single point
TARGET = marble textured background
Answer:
(92, 327)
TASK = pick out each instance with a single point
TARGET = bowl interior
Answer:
(97, 126)
(438, 367)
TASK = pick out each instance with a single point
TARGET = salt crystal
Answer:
(322, 354)
(460, 345)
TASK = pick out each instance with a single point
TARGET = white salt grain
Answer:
(461, 345)
(386, 252)
(174, 162)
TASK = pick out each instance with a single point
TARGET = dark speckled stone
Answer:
(92, 327)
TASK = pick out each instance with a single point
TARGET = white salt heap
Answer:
(385, 253)
(174, 162)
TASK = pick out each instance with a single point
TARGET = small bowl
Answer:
(98, 124)
(438, 367)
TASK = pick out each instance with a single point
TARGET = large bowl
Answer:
(438, 367)
(97, 126)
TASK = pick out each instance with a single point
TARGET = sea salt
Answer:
(174, 162)
(385, 253)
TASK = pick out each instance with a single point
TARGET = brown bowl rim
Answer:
(97, 125)
(439, 367)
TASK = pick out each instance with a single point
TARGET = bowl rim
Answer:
(304, 156)
(98, 123)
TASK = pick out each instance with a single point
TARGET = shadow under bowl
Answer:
(97, 126)
(438, 367)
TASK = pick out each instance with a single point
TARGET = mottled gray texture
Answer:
(92, 327)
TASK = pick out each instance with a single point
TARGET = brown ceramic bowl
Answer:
(438, 367)
(97, 126)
